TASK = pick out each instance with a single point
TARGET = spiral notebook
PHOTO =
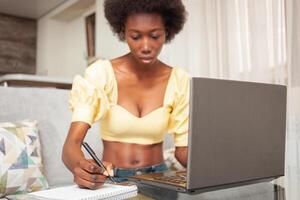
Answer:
(107, 191)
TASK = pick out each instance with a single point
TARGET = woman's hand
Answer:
(181, 154)
(87, 174)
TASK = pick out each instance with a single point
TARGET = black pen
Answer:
(96, 159)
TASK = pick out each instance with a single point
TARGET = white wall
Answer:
(61, 46)
(49, 56)
(76, 48)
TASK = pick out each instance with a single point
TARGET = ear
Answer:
(122, 34)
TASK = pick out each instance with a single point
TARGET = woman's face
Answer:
(145, 35)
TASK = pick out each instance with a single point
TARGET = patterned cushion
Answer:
(21, 168)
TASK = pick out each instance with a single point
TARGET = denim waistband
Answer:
(125, 172)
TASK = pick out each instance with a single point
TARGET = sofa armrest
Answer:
(25, 80)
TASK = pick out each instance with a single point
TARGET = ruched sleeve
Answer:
(88, 99)
(179, 119)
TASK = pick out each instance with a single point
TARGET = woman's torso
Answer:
(138, 99)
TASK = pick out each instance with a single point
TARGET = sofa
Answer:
(49, 106)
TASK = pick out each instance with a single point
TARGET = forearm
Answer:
(72, 153)
(181, 154)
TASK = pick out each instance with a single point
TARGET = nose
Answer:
(146, 47)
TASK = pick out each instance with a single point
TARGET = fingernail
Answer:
(92, 168)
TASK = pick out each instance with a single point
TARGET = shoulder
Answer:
(182, 79)
(97, 68)
(178, 74)
(179, 87)
(99, 72)
(181, 73)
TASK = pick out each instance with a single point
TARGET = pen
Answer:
(96, 159)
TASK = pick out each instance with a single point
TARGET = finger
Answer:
(108, 164)
(87, 184)
(110, 171)
(101, 170)
(96, 178)
(91, 167)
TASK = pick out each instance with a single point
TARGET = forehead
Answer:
(144, 22)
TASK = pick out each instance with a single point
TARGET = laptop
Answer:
(236, 137)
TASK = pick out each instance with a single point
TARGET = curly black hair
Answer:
(172, 11)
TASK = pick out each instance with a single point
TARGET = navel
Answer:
(134, 162)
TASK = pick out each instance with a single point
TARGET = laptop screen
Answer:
(236, 132)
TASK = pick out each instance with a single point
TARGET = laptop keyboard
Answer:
(179, 179)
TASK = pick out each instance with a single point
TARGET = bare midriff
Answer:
(129, 155)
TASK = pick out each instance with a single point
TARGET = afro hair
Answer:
(172, 11)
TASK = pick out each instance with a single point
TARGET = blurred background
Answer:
(252, 40)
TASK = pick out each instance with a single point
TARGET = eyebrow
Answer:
(152, 30)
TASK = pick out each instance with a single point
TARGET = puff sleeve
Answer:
(88, 100)
(179, 118)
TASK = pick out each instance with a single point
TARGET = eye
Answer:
(155, 37)
(135, 37)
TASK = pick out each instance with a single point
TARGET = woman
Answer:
(136, 97)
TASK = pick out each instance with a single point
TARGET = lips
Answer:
(146, 58)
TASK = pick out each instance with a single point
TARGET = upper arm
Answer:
(89, 100)
(179, 118)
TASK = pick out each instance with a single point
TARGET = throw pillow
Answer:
(21, 168)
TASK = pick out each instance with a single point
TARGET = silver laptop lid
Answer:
(237, 132)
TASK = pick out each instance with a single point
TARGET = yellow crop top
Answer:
(94, 98)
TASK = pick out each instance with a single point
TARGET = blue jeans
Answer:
(121, 174)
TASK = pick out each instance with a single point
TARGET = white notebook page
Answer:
(75, 193)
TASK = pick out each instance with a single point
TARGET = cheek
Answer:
(131, 46)
(160, 43)
(159, 46)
